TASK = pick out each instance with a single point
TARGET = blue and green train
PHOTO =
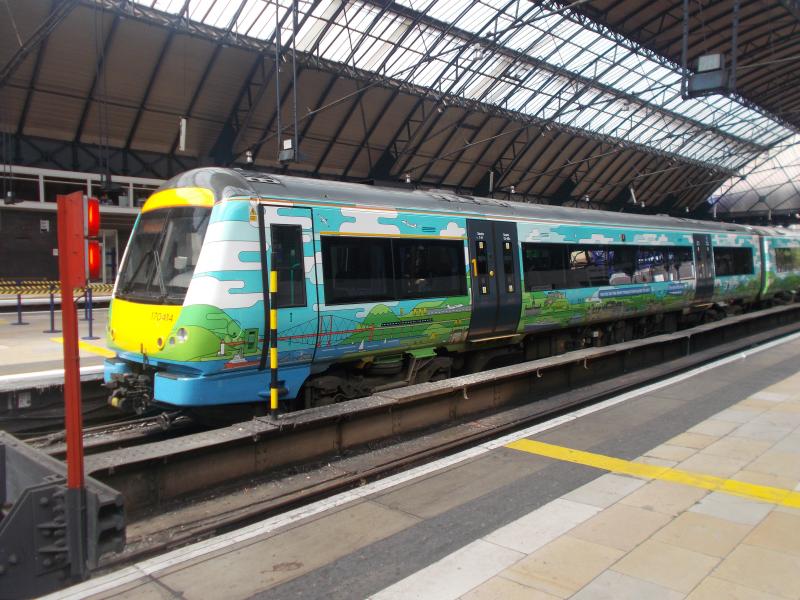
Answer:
(378, 287)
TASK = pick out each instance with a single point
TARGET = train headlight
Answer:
(181, 335)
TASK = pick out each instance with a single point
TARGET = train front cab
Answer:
(153, 280)
(187, 339)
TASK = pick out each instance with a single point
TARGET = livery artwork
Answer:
(214, 339)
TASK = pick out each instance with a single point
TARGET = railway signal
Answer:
(79, 263)
(55, 521)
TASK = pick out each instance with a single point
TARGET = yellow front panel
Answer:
(179, 197)
(138, 327)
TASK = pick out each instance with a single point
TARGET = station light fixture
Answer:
(182, 134)
(287, 154)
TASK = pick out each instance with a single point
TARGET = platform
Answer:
(29, 356)
(686, 488)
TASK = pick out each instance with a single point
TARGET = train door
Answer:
(494, 267)
(704, 267)
(289, 239)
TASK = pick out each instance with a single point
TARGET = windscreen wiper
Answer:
(161, 285)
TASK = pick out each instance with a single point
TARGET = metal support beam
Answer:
(99, 66)
(333, 140)
(197, 90)
(32, 85)
(149, 88)
(56, 16)
(368, 133)
(77, 156)
(468, 145)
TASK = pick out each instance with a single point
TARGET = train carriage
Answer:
(781, 251)
(383, 287)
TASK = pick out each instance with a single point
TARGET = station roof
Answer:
(767, 38)
(768, 187)
(563, 102)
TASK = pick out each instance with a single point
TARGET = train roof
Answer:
(228, 183)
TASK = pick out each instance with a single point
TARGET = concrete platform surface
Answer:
(27, 349)
(688, 488)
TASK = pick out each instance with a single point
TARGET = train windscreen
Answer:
(162, 254)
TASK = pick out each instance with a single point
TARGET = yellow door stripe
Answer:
(743, 489)
(89, 347)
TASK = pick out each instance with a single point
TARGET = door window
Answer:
(508, 266)
(287, 260)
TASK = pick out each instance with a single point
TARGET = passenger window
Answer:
(787, 259)
(357, 269)
(588, 266)
(508, 266)
(733, 261)
(544, 266)
(429, 268)
(681, 262)
(620, 264)
(287, 260)
(651, 265)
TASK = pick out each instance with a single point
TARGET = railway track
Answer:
(203, 483)
(122, 432)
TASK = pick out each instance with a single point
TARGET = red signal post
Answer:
(78, 262)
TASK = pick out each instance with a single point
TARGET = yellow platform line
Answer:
(88, 347)
(743, 489)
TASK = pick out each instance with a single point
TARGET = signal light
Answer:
(92, 216)
(92, 259)
(91, 229)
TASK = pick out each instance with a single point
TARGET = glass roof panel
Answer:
(466, 48)
(169, 6)
(770, 183)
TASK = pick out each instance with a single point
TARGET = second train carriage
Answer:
(381, 287)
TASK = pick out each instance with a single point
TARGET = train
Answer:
(383, 287)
